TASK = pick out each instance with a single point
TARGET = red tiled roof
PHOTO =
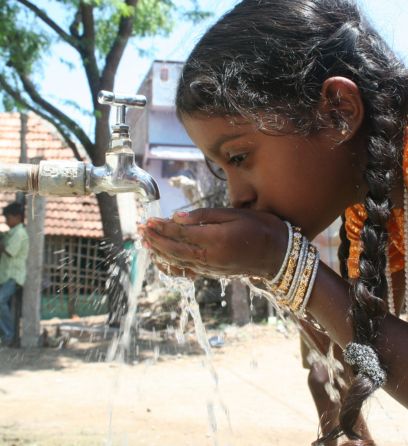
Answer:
(68, 216)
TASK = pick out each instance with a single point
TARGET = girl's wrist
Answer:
(278, 242)
(292, 282)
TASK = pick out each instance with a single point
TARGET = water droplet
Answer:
(223, 283)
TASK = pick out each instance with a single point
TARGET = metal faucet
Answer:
(72, 178)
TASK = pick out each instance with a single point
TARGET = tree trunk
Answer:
(32, 288)
(239, 302)
(108, 207)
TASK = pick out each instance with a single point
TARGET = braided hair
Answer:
(270, 58)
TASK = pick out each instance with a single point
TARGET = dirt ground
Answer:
(165, 394)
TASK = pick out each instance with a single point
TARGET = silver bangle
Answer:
(286, 258)
(366, 362)
(310, 286)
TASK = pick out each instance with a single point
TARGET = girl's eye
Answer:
(216, 170)
(236, 160)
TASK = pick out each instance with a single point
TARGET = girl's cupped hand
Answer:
(221, 242)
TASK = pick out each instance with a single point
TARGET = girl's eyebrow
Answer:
(216, 145)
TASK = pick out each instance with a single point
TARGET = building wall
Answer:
(171, 198)
(165, 76)
(165, 128)
(138, 128)
(158, 125)
(138, 121)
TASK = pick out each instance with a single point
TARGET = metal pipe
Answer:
(73, 178)
(18, 177)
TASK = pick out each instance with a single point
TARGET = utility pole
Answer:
(32, 289)
(20, 196)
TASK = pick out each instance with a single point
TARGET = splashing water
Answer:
(223, 283)
(333, 366)
(251, 301)
(120, 346)
(255, 291)
(190, 307)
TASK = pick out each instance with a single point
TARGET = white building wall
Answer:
(171, 198)
(165, 128)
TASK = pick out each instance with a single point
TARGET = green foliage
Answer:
(196, 16)
(20, 45)
(9, 104)
(150, 18)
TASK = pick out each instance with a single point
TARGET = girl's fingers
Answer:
(191, 234)
(159, 257)
(205, 216)
(168, 228)
(182, 255)
(176, 251)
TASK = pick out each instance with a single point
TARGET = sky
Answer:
(57, 81)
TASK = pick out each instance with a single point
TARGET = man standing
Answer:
(13, 257)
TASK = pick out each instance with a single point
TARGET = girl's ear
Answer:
(342, 105)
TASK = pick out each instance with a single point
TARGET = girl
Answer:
(301, 107)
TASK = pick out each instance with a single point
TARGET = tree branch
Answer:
(118, 47)
(74, 27)
(53, 25)
(17, 97)
(87, 49)
(56, 113)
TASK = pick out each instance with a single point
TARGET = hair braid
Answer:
(369, 305)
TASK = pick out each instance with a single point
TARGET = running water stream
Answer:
(120, 346)
(190, 307)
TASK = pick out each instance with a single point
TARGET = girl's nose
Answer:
(241, 194)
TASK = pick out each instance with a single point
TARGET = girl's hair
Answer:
(269, 58)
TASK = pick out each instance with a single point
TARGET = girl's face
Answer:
(308, 181)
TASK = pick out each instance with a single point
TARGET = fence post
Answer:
(32, 288)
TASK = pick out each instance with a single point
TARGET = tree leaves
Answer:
(98, 30)
(20, 46)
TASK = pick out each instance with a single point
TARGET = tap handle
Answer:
(121, 102)
(109, 98)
